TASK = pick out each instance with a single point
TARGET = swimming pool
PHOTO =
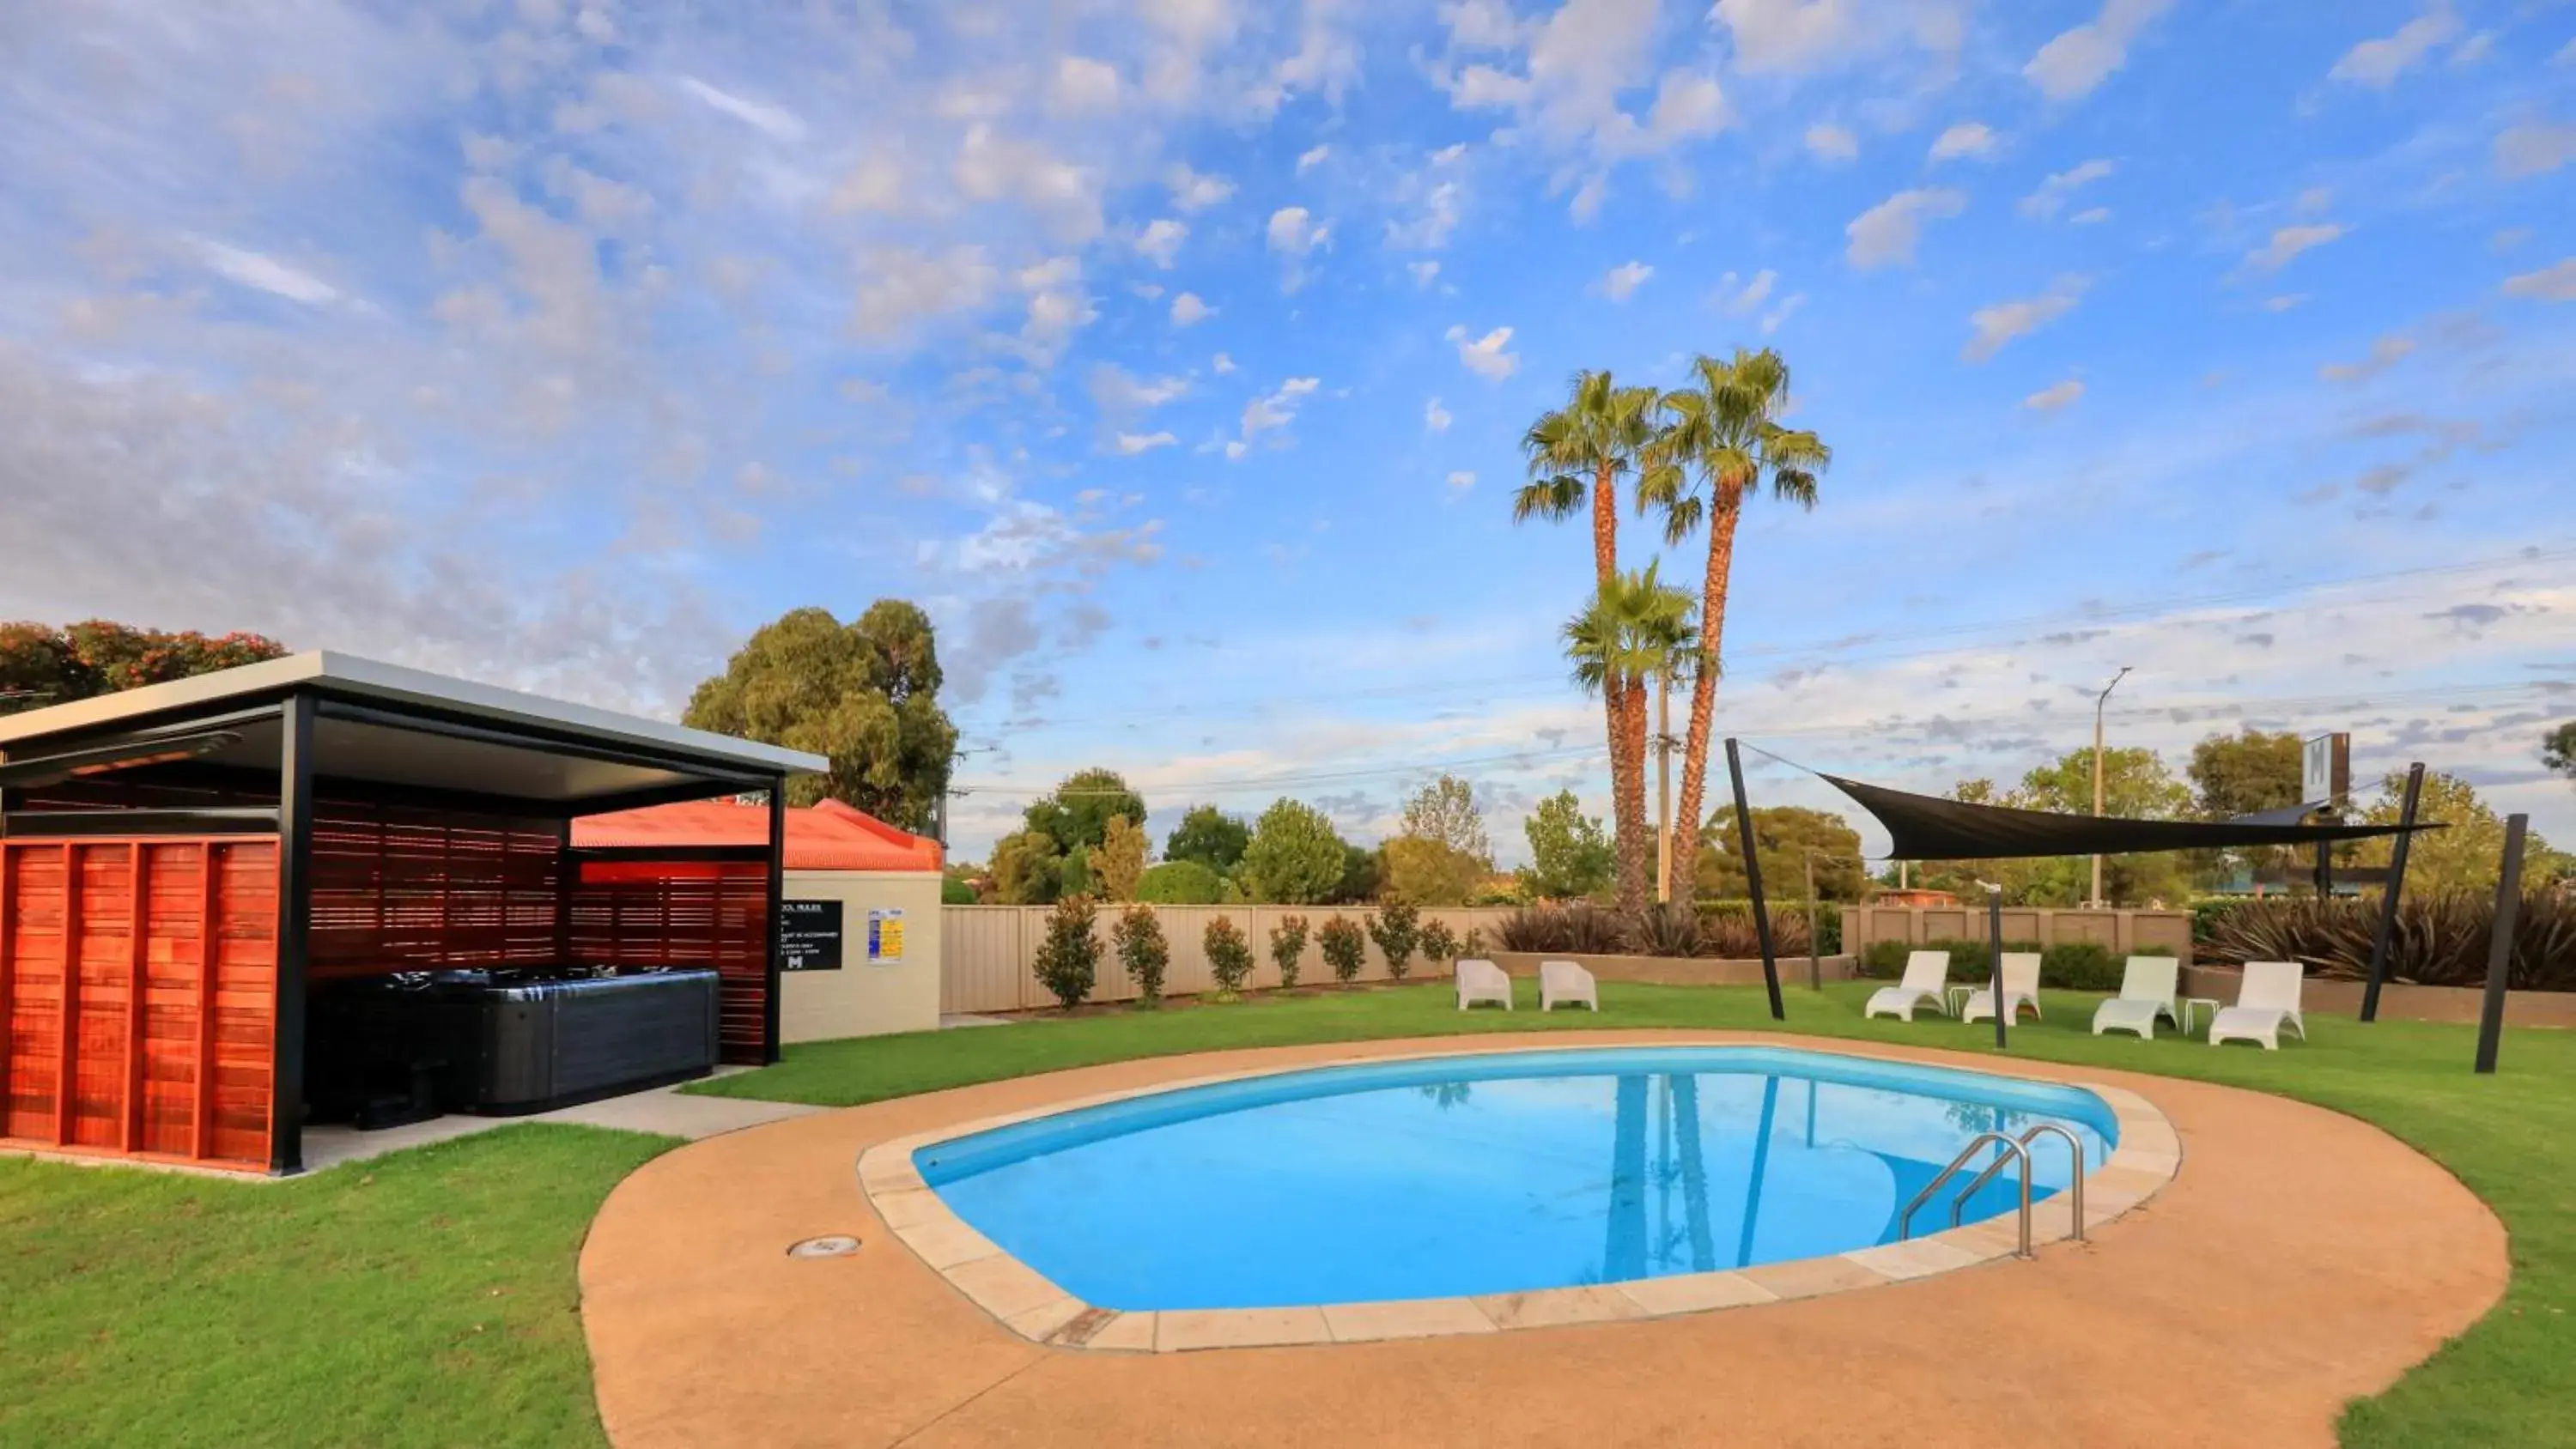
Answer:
(1495, 1173)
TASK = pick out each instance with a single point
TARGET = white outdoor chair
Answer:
(1927, 974)
(1567, 982)
(2266, 1000)
(1482, 981)
(2021, 988)
(2147, 991)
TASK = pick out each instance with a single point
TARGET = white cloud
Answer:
(1485, 356)
(994, 167)
(2070, 66)
(1788, 307)
(2054, 396)
(2554, 283)
(1828, 142)
(1885, 234)
(2285, 302)
(1117, 392)
(2002, 322)
(261, 272)
(1435, 417)
(1236, 449)
(2566, 54)
(2385, 353)
(1275, 410)
(1460, 482)
(2533, 147)
(1428, 230)
(1160, 241)
(1621, 282)
(1131, 444)
(1084, 86)
(1448, 155)
(1309, 160)
(1483, 24)
(776, 122)
(2090, 216)
(1973, 139)
(900, 286)
(2379, 62)
(1423, 272)
(1733, 298)
(2287, 242)
(1221, 364)
(1189, 311)
(1196, 190)
(1294, 232)
(1786, 35)
(2052, 194)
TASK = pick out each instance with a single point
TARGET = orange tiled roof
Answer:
(828, 836)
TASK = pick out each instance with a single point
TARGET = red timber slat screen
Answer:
(645, 912)
(398, 889)
(138, 990)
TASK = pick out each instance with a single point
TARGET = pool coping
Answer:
(1032, 1306)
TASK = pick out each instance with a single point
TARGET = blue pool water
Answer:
(1489, 1174)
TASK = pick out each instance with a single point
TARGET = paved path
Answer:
(666, 1110)
(2300, 1258)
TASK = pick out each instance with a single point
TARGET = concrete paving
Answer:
(664, 1110)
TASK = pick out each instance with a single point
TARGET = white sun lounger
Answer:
(2266, 1000)
(2021, 988)
(1927, 973)
(2147, 990)
(1482, 981)
(1566, 982)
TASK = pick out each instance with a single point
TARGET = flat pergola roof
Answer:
(407, 728)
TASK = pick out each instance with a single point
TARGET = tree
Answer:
(2135, 783)
(1209, 836)
(1569, 856)
(1397, 929)
(1344, 948)
(2466, 853)
(2242, 773)
(1428, 872)
(1294, 856)
(1445, 811)
(1143, 951)
(1180, 883)
(1068, 960)
(1229, 956)
(864, 694)
(1363, 872)
(2558, 749)
(1439, 944)
(1079, 810)
(1120, 859)
(1636, 627)
(1028, 869)
(1726, 438)
(1782, 834)
(41, 665)
(1288, 948)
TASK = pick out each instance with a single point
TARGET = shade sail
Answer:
(1926, 827)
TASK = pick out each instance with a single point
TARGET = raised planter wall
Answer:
(2122, 932)
(2398, 1001)
(1674, 970)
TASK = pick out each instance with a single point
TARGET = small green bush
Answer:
(1143, 951)
(1397, 929)
(2066, 966)
(1288, 949)
(1229, 956)
(2205, 916)
(1068, 960)
(956, 893)
(1439, 945)
(1180, 883)
(1344, 948)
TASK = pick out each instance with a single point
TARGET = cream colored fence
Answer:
(2123, 932)
(988, 953)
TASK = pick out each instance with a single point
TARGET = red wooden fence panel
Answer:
(414, 890)
(138, 987)
(630, 912)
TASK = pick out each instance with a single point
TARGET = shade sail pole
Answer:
(2389, 891)
(1753, 880)
(2508, 908)
(1995, 982)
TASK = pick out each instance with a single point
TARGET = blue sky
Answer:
(1173, 353)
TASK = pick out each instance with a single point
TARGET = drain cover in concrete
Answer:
(834, 1246)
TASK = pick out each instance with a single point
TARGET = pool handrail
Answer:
(1905, 1219)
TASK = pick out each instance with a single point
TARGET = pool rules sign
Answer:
(809, 935)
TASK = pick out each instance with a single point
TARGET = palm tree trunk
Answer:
(1631, 799)
(1703, 708)
(1605, 525)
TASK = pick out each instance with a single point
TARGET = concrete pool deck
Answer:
(2299, 1259)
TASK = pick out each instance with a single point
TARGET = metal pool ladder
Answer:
(2011, 1149)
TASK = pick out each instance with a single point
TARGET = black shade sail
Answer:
(1926, 827)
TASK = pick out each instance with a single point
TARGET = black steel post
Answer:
(2389, 891)
(1753, 881)
(1995, 929)
(294, 934)
(777, 910)
(2508, 910)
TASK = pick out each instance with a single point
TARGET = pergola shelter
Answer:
(235, 903)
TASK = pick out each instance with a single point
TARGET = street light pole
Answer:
(2099, 702)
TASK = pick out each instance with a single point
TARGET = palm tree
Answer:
(1724, 439)
(1635, 627)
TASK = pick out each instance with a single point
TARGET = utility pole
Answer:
(1663, 786)
(2099, 702)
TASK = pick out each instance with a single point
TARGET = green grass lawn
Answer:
(429, 1297)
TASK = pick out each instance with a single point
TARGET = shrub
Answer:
(1969, 960)
(1343, 948)
(2206, 914)
(1288, 948)
(1730, 935)
(1474, 945)
(1069, 958)
(1439, 945)
(2440, 940)
(1533, 928)
(956, 893)
(2081, 966)
(1397, 929)
(1180, 883)
(1670, 929)
(1229, 956)
(1142, 950)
